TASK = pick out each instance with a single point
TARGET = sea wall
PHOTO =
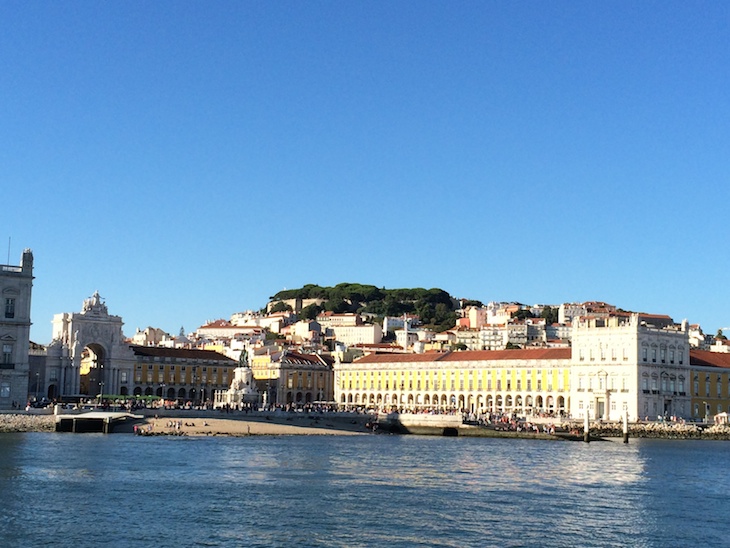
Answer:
(15, 422)
(661, 430)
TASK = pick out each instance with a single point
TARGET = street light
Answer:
(101, 384)
(37, 387)
(707, 411)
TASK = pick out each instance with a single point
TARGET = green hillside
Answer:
(435, 307)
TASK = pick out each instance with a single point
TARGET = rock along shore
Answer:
(658, 430)
(26, 422)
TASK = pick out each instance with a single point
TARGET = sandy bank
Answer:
(197, 426)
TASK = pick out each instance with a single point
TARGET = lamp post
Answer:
(37, 387)
(707, 407)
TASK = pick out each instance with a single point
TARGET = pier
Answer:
(94, 421)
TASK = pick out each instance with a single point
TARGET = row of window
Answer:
(662, 355)
(451, 386)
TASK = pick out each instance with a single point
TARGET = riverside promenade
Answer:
(197, 422)
(276, 423)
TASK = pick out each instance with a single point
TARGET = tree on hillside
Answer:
(310, 312)
(281, 306)
(550, 314)
(522, 313)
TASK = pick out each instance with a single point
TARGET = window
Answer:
(4, 389)
(123, 377)
(7, 353)
(644, 352)
(10, 308)
(645, 384)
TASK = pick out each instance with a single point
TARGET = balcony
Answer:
(7, 366)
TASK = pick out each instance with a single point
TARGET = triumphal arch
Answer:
(88, 355)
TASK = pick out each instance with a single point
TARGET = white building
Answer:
(16, 284)
(568, 311)
(624, 366)
(351, 335)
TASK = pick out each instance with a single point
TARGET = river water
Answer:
(79, 490)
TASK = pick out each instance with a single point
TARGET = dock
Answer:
(94, 421)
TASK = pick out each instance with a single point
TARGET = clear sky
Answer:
(189, 159)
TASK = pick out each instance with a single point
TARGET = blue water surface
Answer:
(76, 490)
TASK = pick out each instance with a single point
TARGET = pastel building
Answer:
(617, 364)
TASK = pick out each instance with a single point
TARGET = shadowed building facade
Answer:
(16, 284)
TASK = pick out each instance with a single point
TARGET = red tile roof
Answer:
(472, 355)
(706, 358)
(179, 353)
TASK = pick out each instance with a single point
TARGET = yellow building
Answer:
(289, 377)
(520, 381)
(178, 373)
(710, 390)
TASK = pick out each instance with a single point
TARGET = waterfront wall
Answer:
(661, 430)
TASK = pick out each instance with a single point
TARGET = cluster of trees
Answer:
(550, 314)
(434, 307)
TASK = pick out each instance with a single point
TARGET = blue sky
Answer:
(189, 159)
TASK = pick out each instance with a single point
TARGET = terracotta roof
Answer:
(516, 354)
(182, 353)
(706, 358)
(217, 323)
(472, 355)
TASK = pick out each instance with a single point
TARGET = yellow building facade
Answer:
(178, 374)
(287, 377)
(521, 381)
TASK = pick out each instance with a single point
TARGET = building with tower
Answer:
(16, 284)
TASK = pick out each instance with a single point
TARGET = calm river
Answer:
(76, 490)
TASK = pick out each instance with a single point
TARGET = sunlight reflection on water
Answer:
(363, 491)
